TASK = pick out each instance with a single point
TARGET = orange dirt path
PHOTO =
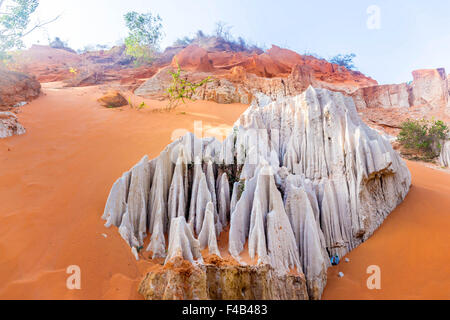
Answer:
(55, 179)
(54, 182)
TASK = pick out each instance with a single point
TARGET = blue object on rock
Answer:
(335, 260)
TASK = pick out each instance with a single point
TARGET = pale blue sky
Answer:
(414, 34)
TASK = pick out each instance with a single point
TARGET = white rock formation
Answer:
(9, 125)
(117, 201)
(303, 212)
(444, 158)
(182, 242)
(223, 199)
(207, 236)
(138, 198)
(299, 180)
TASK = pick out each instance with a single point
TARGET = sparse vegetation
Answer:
(241, 187)
(223, 30)
(423, 137)
(144, 36)
(185, 41)
(181, 88)
(222, 33)
(58, 43)
(312, 54)
(74, 72)
(142, 105)
(344, 60)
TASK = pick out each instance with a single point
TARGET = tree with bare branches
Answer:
(15, 23)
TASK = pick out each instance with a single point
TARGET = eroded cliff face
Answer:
(428, 89)
(385, 107)
(238, 76)
(215, 280)
(298, 181)
(16, 87)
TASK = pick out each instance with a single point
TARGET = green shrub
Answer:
(423, 137)
(181, 89)
(143, 54)
(185, 41)
(344, 60)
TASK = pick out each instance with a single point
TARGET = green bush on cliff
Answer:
(423, 137)
(344, 60)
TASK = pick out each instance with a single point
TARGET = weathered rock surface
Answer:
(430, 88)
(384, 96)
(238, 76)
(387, 106)
(9, 125)
(180, 280)
(307, 180)
(444, 157)
(16, 87)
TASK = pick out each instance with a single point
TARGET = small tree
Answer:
(423, 137)
(181, 89)
(14, 24)
(144, 36)
(58, 43)
(345, 60)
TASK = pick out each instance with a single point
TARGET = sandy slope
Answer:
(54, 182)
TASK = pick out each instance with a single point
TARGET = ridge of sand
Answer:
(55, 179)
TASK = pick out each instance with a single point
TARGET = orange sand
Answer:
(54, 182)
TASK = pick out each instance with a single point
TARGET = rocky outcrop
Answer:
(386, 107)
(430, 88)
(307, 180)
(113, 99)
(238, 76)
(444, 158)
(9, 125)
(214, 280)
(16, 87)
(384, 96)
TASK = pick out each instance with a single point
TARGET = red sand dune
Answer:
(55, 179)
